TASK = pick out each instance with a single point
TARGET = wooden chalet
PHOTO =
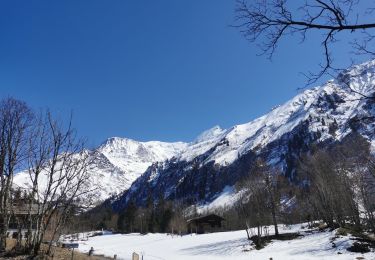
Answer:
(205, 224)
(19, 219)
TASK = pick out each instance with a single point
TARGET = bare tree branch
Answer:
(269, 21)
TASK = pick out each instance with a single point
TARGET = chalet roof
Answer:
(207, 218)
(23, 209)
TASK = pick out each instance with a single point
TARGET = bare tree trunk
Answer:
(247, 230)
(62, 163)
(15, 118)
(275, 221)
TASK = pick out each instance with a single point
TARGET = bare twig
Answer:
(268, 21)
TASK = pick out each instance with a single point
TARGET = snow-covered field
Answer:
(222, 245)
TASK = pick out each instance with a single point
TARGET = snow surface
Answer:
(348, 86)
(224, 200)
(222, 245)
(135, 157)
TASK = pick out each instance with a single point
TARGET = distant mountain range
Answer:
(117, 163)
(200, 171)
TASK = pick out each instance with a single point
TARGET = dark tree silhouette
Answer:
(268, 21)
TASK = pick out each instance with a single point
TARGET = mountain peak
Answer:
(117, 141)
(209, 134)
(359, 78)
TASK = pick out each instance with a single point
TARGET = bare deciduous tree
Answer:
(57, 163)
(326, 188)
(58, 173)
(260, 202)
(339, 182)
(15, 118)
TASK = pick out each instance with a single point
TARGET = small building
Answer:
(18, 222)
(205, 224)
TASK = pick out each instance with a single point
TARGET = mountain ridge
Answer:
(109, 176)
(217, 158)
(320, 115)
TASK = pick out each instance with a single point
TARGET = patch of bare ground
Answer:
(58, 254)
(265, 240)
(364, 243)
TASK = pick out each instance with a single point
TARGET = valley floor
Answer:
(224, 245)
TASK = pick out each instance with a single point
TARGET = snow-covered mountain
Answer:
(133, 157)
(218, 158)
(210, 165)
(117, 163)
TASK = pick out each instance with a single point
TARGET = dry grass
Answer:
(58, 254)
(63, 253)
(11, 243)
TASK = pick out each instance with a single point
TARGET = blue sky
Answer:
(148, 70)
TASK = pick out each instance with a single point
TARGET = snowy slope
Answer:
(134, 157)
(105, 179)
(218, 158)
(284, 118)
(223, 245)
(116, 164)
